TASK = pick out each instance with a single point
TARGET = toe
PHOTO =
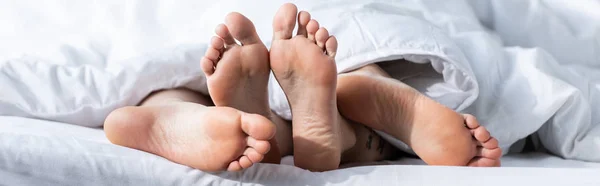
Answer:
(241, 28)
(209, 62)
(261, 147)
(471, 121)
(284, 21)
(321, 36)
(483, 162)
(303, 19)
(245, 162)
(208, 66)
(217, 43)
(481, 134)
(331, 46)
(234, 166)
(257, 126)
(489, 153)
(311, 29)
(212, 53)
(492, 143)
(223, 32)
(254, 156)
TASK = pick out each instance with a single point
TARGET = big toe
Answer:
(284, 21)
(241, 28)
(257, 126)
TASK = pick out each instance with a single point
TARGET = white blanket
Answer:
(520, 66)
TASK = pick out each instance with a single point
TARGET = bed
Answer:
(524, 68)
(37, 152)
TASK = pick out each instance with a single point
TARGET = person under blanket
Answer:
(333, 116)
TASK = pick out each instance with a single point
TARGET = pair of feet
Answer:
(236, 133)
(304, 66)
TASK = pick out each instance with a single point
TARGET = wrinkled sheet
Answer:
(37, 152)
(521, 67)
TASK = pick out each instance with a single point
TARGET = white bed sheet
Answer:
(37, 152)
(521, 67)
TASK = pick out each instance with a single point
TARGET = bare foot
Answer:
(370, 147)
(238, 74)
(436, 133)
(488, 152)
(305, 68)
(206, 138)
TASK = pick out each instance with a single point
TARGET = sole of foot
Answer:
(205, 138)
(304, 67)
(437, 134)
(238, 74)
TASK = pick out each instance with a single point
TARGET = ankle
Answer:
(371, 70)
